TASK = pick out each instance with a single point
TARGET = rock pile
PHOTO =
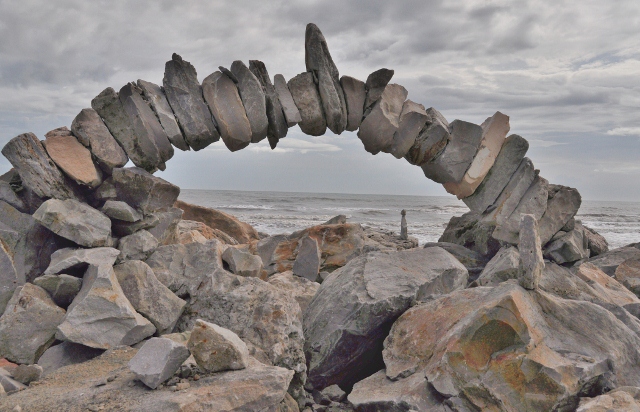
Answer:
(116, 295)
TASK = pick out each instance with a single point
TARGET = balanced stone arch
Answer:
(143, 122)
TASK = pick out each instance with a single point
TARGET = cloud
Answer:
(624, 131)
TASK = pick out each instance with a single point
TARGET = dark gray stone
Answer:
(121, 229)
(157, 360)
(62, 288)
(305, 95)
(253, 99)
(120, 210)
(277, 123)
(562, 206)
(307, 263)
(355, 94)
(468, 231)
(378, 128)
(66, 353)
(375, 85)
(291, 112)
(431, 140)
(160, 105)
(143, 190)
(531, 261)
(597, 243)
(412, 119)
(90, 130)
(106, 191)
(8, 195)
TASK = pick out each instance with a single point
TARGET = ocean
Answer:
(427, 216)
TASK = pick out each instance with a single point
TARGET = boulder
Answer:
(307, 99)
(628, 273)
(156, 98)
(609, 261)
(26, 374)
(119, 210)
(75, 221)
(157, 360)
(91, 131)
(9, 385)
(217, 349)
(378, 128)
(473, 261)
(412, 120)
(375, 85)
(64, 354)
(355, 94)
(605, 288)
(148, 296)
(143, 190)
(221, 94)
(567, 247)
(240, 231)
(291, 112)
(28, 325)
(243, 263)
(190, 231)
(184, 94)
(9, 279)
(626, 398)
(455, 159)
(253, 100)
(318, 61)
(531, 262)
(562, 206)
(336, 220)
(307, 263)
(8, 195)
(72, 158)
(512, 194)
(511, 154)
(431, 140)
(301, 289)
(166, 230)
(106, 191)
(597, 243)
(494, 132)
(37, 171)
(277, 123)
(121, 229)
(138, 246)
(142, 152)
(101, 316)
(352, 312)
(469, 231)
(503, 266)
(62, 288)
(77, 260)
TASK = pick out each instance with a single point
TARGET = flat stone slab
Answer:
(72, 158)
(291, 112)
(307, 99)
(412, 120)
(71, 259)
(253, 99)
(143, 190)
(91, 131)
(277, 123)
(307, 263)
(160, 105)
(157, 360)
(431, 140)
(531, 260)
(355, 93)
(378, 128)
(512, 194)
(375, 85)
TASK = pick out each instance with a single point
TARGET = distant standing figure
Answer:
(403, 226)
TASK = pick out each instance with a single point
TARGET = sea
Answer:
(427, 216)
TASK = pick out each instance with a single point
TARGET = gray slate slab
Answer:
(378, 128)
(412, 120)
(91, 131)
(307, 99)
(355, 94)
(253, 99)
(291, 112)
(156, 98)
(277, 123)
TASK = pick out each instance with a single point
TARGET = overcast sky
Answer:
(567, 74)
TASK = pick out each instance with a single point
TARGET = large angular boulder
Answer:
(77, 260)
(76, 221)
(184, 94)
(503, 266)
(562, 206)
(192, 231)
(217, 349)
(253, 100)
(301, 289)
(138, 246)
(9, 195)
(166, 230)
(566, 247)
(72, 157)
(355, 94)
(412, 120)
(119, 210)
(473, 261)
(66, 353)
(307, 263)
(243, 263)
(28, 325)
(628, 273)
(469, 231)
(291, 112)
(156, 98)
(626, 398)
(144, 191)
(431, 141)
(277, 123)
(91, 131)
(378, 128)
(62, 288)
(305, 95)
(157, 360)
(8, 277)
(609, 261)
(597, 243)
(101, 316)
(352, 312)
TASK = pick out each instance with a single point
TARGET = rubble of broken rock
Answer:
(115, 295)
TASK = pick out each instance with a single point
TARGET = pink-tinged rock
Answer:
(72, 157)
(494, 132)
(378, 128)
(412, 120)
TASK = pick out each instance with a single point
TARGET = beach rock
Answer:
(190, 231)
(72, 260)
(455, 159)
(355, 94)
(101, 316)
(243, 263)
(119, 210)
(8, 195)
(75, 221)
(215, 219)
(628, 273)
(510, 198)
(291, 113)
(503, 266)
(184, 94)
(318, 61)
(221, 94)
(307, 99)
(146, 125)
(142, 152)
(431, 140)
(217, 349)
(157, 360)
(138, 246)
(37, 171)
(307, 263)
(90, 130)
(468, 231)
(62, 288)
(569, 247)
(64, 354)
(156, 98)
(511, 155)
(166, 230)
(531, 261)
(9, 280)
(597, 243)
(626, 398)
(106, 191)
(562, 206)
(277, 123)
(336, 220)
(301, 289)
(473, 261)
(494, 132)
(9, 385)
(609, 261)
(412, 120)
(72, 158)
(28, 325)
(253, 100)
(378, 128)
(26, 374)
(143, 190)
(375, 85)
(605, 288)
(349, 317)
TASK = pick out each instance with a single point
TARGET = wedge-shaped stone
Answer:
(217, 349)
(76, 221)
(28, 325)
(160, 105)
(307, 263)
(503, 266)
(243, 263)
(531, 261)
(375, 85)
(61, 288)
(144, 191)
(473, 261)
(145, 123)
(88, 127)
(511, 154)
(569, 247)
(221, 93)
(142, 151)
(277, 123)
(148, 296)
(291, 112)
(72, 158)
(455, 159)
(101, 316)
(378, 128)
(253, 100)
(412, 120)
(318, 61)
(494, 131)
(562, 206)
(70, 259)
(37, 171)
(305, 95)
(119, 210)
(66, 353)
(355, 94)
(471, 232)
(512, 194)
(431, 141)
(137, 246)
(157, 360)
(347, 320)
